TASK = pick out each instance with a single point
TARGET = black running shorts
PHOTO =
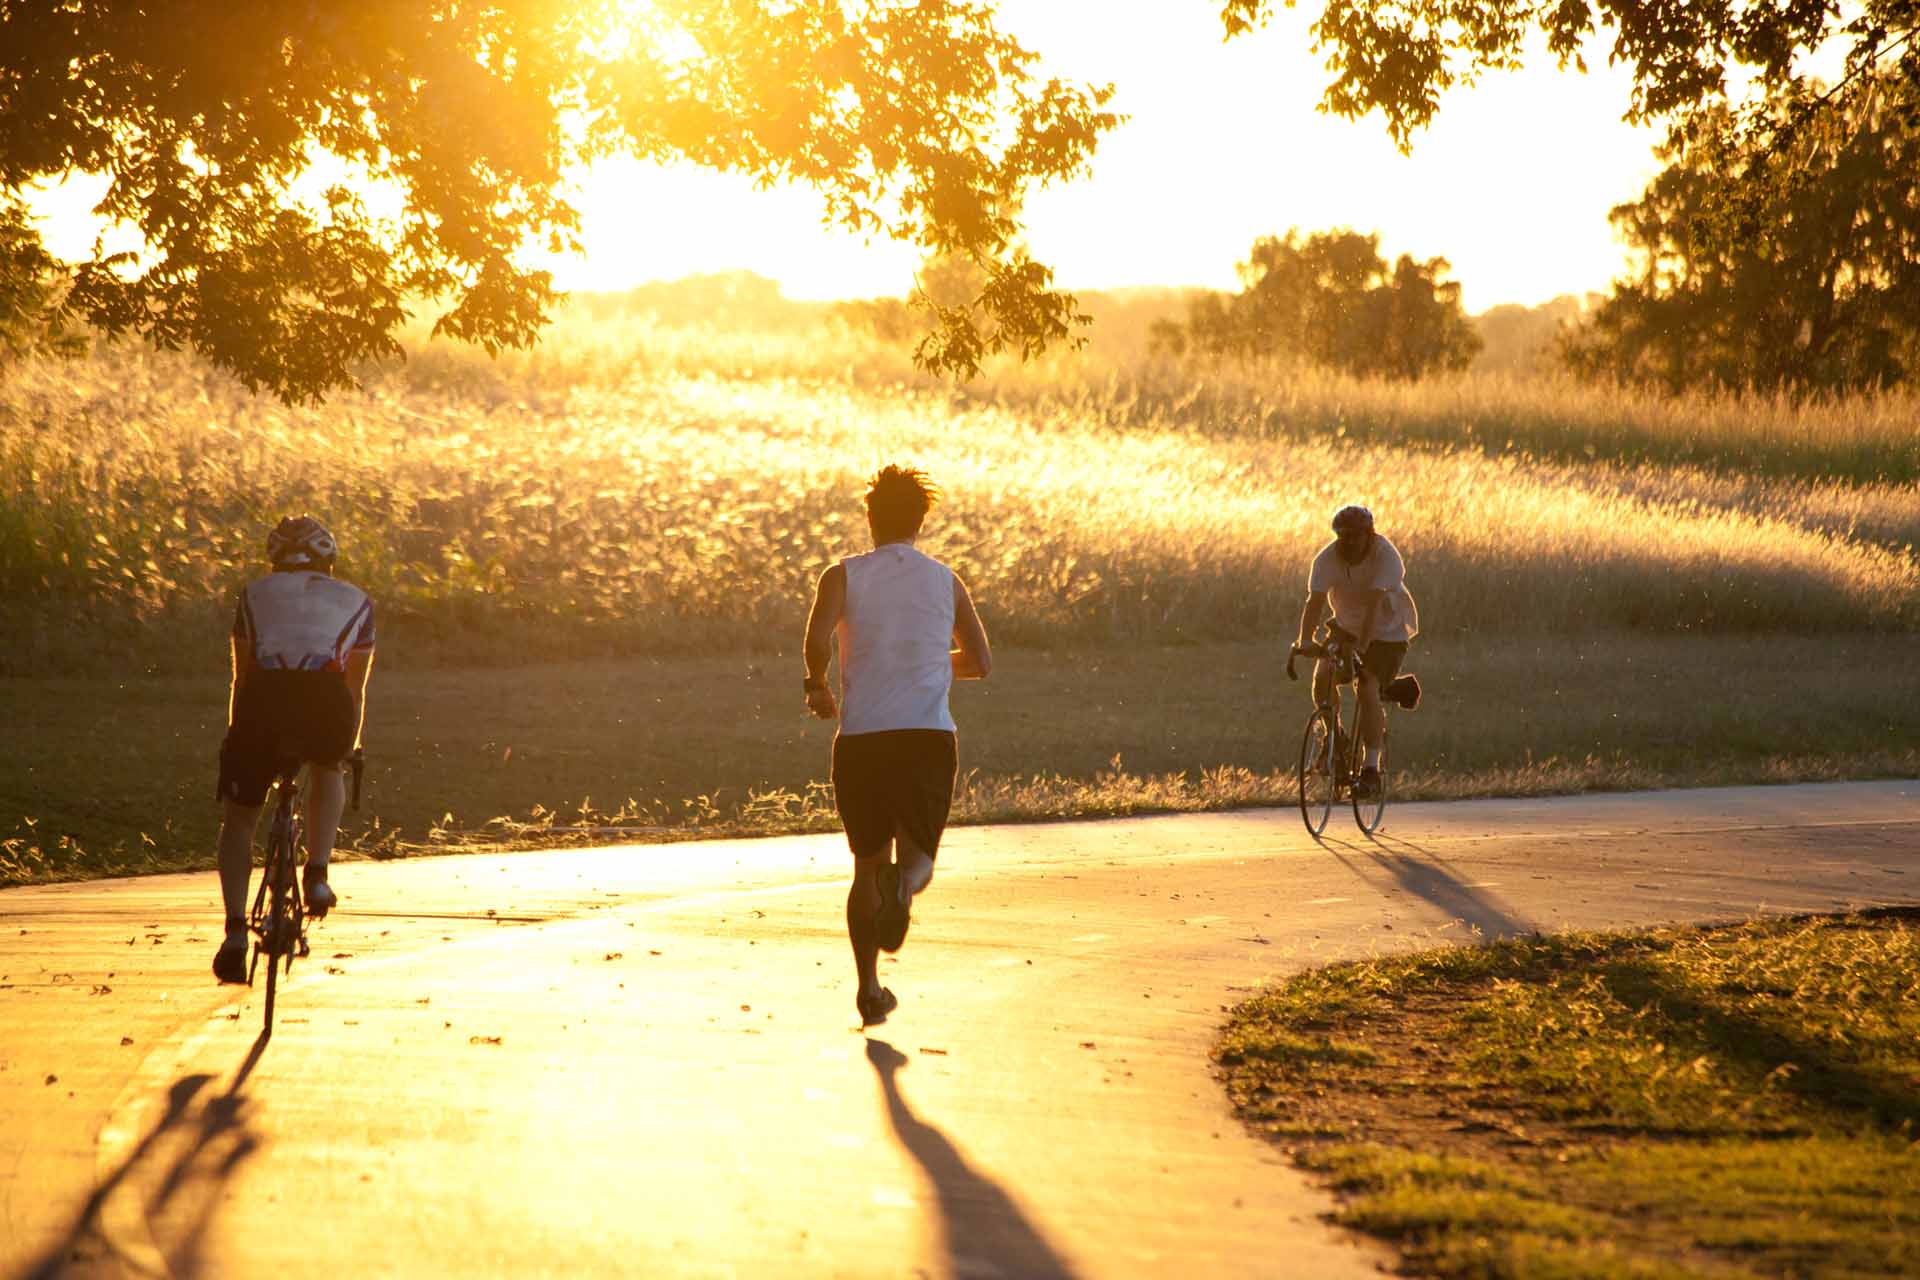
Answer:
(283, 718)
(899, 780)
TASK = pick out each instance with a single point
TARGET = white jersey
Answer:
(896, 642)
(1349, 585)
(303, 620)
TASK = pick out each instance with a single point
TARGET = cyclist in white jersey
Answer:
(906, 628)
(1362, 580)
(302, 649)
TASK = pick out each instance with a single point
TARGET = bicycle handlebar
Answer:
(1304, 651)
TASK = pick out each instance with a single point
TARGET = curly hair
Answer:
(898, 501)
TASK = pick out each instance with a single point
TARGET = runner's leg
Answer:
(863, 902)
(916, 864)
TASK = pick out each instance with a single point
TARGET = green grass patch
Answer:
(116, 776)
(1739, 1101)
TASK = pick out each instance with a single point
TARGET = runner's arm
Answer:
(974, 657)
(829, 605)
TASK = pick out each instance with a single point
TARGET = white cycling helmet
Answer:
(301, 542)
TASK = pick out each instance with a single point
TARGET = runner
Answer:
(897, 615)
(302, 649)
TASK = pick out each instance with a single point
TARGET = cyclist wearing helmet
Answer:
(302, 648)
(1361, 575)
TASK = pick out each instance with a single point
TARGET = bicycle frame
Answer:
(278, 917)
(1331, 751)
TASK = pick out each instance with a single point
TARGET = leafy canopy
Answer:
(303, 174)
(1333, 300)
(1810, 284)
(1400, 56)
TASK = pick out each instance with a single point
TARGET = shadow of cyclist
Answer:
(192, 1151)
(984, 1232)
(1424, 874)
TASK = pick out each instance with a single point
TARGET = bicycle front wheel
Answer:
(1370, 810)
(1319, 771)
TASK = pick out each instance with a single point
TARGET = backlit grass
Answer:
(1733, 1101)
(685, 512)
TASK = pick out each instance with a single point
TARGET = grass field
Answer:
(1725, 1102)
(669, 747)
(639, 510)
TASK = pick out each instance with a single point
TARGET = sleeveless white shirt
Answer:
(896, 639)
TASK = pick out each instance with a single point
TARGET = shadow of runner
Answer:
(979, 1223)
(220, 1141)
(1422, 873)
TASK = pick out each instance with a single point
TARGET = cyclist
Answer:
(302, 648)
(1361, 575)
(897, 615)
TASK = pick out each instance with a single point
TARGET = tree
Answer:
(303, 174)
(1813, 284)
(1332, 299)
(1398, 57)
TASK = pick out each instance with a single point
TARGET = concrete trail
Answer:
(646, 1061)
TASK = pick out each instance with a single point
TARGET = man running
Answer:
(302, 649)
(898, 615)
(1362, 576)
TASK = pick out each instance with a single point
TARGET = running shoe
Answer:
(230, 961)
(1367, 785)
(875, 1010)
(891, 920)
(319, 894)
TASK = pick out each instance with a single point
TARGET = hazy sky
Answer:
(1512, 184)
(1222, 145)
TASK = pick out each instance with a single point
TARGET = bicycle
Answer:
(278, 917)
(1331, 757)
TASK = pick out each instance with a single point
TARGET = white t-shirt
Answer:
(1347, 586)
(896, 641)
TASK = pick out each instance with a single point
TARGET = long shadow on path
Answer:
(192, 1153)
(983, 1230)
(1424, 874)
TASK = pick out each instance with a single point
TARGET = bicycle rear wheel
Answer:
(279, 927)
(1318, 771)
(1371, 811)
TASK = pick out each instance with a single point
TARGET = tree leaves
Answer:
(919, 122)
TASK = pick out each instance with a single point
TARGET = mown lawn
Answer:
(111, 776)
(1735, 1101)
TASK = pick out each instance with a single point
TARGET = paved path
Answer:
(645, 1061)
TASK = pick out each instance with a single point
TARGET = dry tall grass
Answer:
(632, 486)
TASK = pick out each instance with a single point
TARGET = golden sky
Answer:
(1512, 184)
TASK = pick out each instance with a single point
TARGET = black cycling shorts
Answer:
(898, 780)
(283, 719)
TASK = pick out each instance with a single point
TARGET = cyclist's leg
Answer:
(238, 823)
(326, 801)
(1380, 664)
(1322, 682)
(244, 777)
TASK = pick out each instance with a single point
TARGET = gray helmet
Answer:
(301, 542)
